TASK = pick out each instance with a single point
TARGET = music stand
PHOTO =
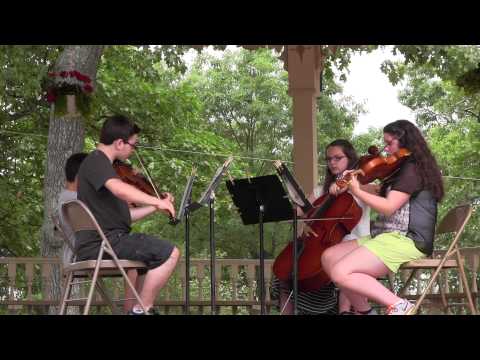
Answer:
(184, 212)
(260, 200)
(208, 196)
(298, 199)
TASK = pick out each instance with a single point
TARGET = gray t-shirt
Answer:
(416, 219)
(111, 213)
(66, 195)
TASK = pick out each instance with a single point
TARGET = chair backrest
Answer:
(58, 230)
(77, 214)
(455, 220)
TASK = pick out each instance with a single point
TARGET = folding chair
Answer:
(453, 222)
(60, 231)
(79, 217)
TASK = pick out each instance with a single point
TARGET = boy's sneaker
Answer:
(152, 311)
(402, 307)
(135, 312)
(139, 311)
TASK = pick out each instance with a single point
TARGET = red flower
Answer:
(88, 88)
(85, 79)
(51, 95)
(63, 74)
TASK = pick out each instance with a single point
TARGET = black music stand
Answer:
(208, 196)
(184, 212)
(298, 200)
(260, 200)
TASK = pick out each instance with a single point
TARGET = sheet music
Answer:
(215, 181)
(294, 190)
(186, 197)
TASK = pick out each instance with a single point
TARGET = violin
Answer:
(375, 166)
(128, 174)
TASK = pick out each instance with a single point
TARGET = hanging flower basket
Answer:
(66, 83)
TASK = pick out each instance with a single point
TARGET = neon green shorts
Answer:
(392, 248)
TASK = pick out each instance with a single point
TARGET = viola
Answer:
(333, 217)
(375, 166)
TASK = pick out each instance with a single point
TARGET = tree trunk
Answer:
(65, 137)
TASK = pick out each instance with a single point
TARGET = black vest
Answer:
(423, 218)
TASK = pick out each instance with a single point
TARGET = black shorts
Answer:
(134, 246)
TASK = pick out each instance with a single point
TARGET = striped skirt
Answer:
(319, 302)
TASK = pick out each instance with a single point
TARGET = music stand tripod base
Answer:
(260, 200)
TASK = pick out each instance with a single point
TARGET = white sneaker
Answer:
(402, 307)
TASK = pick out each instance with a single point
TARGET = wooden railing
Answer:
(23, 282)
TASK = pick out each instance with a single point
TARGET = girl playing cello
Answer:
(340, 156)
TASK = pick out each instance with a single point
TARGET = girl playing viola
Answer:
(404, 230)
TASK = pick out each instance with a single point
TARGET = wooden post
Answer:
(304, 63)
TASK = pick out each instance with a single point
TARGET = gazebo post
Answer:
(304, 64)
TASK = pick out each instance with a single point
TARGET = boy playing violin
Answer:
(107, 197)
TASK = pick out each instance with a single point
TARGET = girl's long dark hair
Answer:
(350, 153)
(410, 137)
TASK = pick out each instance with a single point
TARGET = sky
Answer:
(368, 85)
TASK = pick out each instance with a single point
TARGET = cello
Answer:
(333, 217)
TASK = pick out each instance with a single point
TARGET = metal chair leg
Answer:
(94, 281)
(66, 293)
(463, 279)
(103, 292)
(446, 308)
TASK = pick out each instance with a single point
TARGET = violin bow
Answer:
(147, 174)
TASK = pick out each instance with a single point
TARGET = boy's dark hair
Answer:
(73, 164)
(117, 127)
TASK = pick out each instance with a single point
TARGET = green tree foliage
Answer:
(449, 112)
(245, 94)
(235, 105)
(245, 97)
(23, 111)
(444, 79)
